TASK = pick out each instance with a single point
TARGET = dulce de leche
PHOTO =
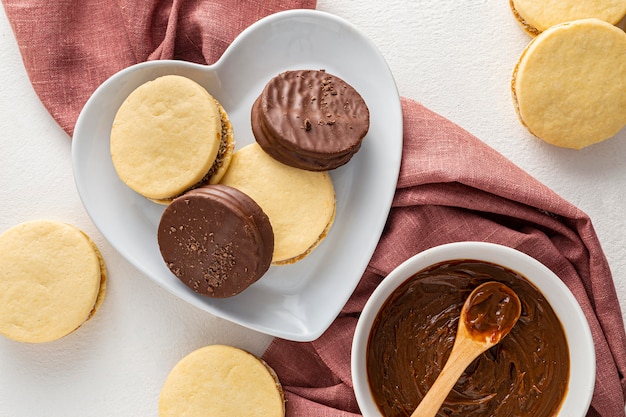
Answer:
(526, 374)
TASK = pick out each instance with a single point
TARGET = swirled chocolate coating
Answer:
(525, 374)
(310, 120)
(216, 240)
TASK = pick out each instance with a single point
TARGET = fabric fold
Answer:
(70, 47)
(453, 187)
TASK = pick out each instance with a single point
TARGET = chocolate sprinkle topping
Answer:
(216, 240)
(336, 119)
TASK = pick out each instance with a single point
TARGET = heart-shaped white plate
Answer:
(299, 301)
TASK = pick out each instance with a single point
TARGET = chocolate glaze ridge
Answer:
(526, 374)
(216, 240)
(310, 119)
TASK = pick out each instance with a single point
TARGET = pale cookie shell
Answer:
(299, 203)
(538, 15)
(569, 83)
(52, 279)
(221, 381)
(165, 137)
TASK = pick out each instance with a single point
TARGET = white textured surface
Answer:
(456, 58)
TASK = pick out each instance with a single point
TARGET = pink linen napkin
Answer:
(69, 47)
(452, 187)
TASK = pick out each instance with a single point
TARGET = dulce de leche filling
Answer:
(490, 312)
(525, 374)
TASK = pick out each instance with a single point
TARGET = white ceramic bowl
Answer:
(582, 353)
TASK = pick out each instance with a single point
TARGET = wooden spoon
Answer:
(488, 314)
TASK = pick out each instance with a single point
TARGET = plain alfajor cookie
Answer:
(310, 120)
(299, 203)
(535, 16)
(52, 280)
(569, 83)
(216, 240)
(221, 381)
(168, 136)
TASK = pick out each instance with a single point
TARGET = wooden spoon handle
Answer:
(482, 312)
(463, 353)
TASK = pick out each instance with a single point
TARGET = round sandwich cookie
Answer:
(216, 240)
(221, 381)
(52, 280)
(535, 16)
(310, 120)
(299, 203)
(568, 85)
(168, 136)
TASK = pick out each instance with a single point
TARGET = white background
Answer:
(454, 57)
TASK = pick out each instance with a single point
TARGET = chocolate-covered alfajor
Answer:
(216, 240)
(310, 120)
